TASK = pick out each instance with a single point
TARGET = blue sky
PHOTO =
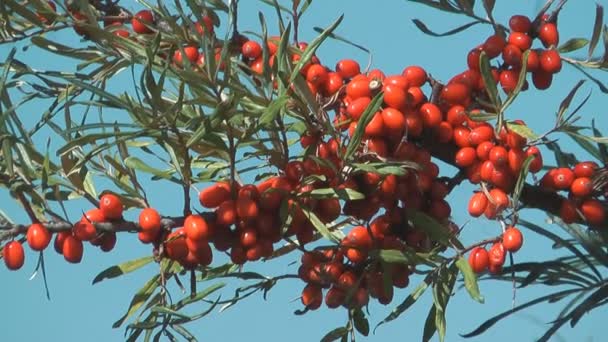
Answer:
(80, 311)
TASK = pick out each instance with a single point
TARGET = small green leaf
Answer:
(422, 27)
(409, 301)
(434, 229)
(312, 48)
(522, 130)
(137, 164)
(470, 279)
(168, 312)
(124, 268)
(521, 179)
(319, 225)
(573, 45)
(597, 29)
(490, 83)
(335, 334)
(361, 322)
(343, 194)
(366, 117)
(139, 299)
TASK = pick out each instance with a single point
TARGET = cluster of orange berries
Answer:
(244, 221)
(481, 259)
(348, 284)
(541, 63)
(579, 185)
(69, 242)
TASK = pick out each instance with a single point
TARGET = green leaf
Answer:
(139, 299)
(488, 79)
(406, 256)
(137, 164)
(422, 27)
(521, 80)
(521, 179)
(366, 117)
(319, 225)
(312, 48)
(430, 326)
(470, 279)
(361, 322)
(335, 334)
(522, 130)
(166, 311)
(567, 100)
(573, 44)
(343, 194)
(409, 301)
(490, 322)
(124, 268)
(429, 225)
(489, 5)
(597, 29)
(273, 110)
(64, 50)
(199, 295)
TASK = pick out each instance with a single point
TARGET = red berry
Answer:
(141, 19)
(149, 220)
(585, 169)
(520, 23)
(466, 156)
(493, 45)
(348, 68)
(478, 204)
(415, 75)
(38, 237)
(497, 254)
(548, 34)
(72, 249)
(111, 206)
(512, 239)
(196, 228)
(581, 187)
(479, 259)
(593, 211)
(13, 255)
(550, 61)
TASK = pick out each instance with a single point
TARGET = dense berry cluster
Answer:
(247, 220)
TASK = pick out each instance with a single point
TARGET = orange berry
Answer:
(149, 220)
(251, 49)
(593, 211)
(497, 254)
(550, 61)
(72, 249)
(465, 157)
(214, 195)
(581, 187)
(479, 259)
(348, 68)
(478, 204)
(141, 19)
(548, 34)
(13, 255)
(415, 75)
(512, 239)
(38, 237)
(520, 23)
(196, 228)
(111, 206)
(431, 115)
(493, 45)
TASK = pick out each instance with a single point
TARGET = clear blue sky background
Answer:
(79, 311)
